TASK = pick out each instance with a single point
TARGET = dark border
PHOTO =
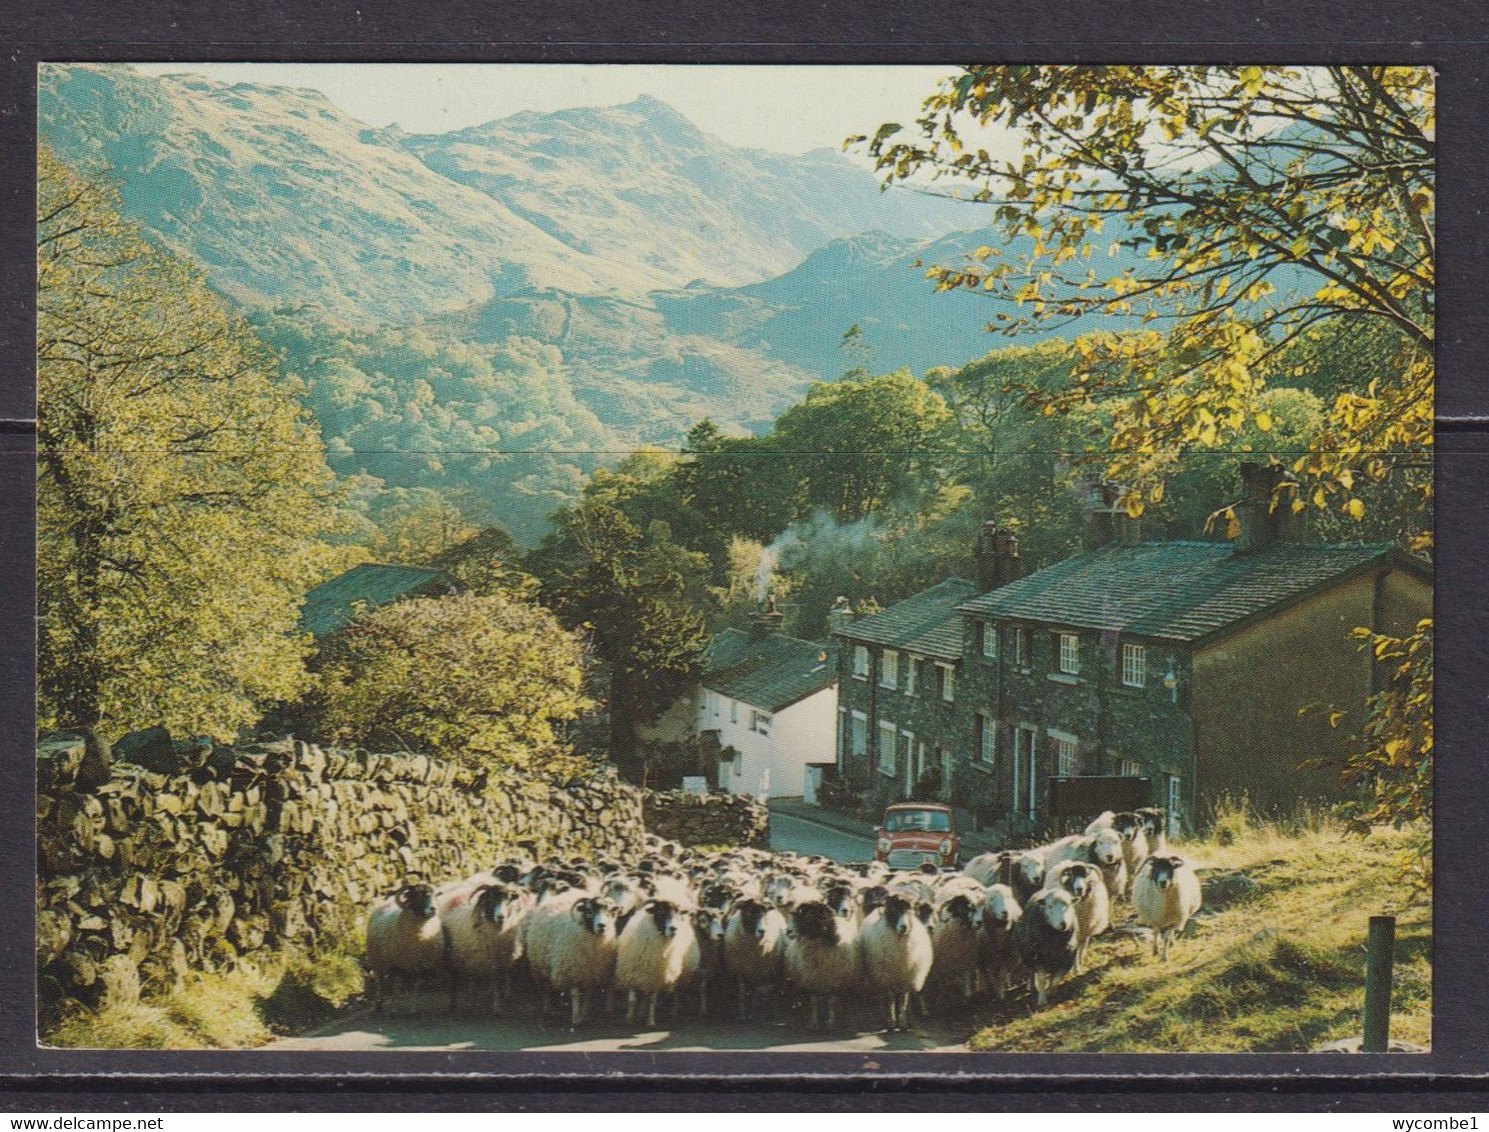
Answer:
(1451, 36)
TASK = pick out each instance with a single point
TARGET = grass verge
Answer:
(238, 1009)
(1275, 961)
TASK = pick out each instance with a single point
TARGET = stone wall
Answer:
(145, 875)
(707, 819)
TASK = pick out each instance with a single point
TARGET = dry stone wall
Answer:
(707, 819)
(216, 855)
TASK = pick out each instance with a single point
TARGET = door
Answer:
(1025, 782)
(914, 754)
(946, 769)
(1174, 822)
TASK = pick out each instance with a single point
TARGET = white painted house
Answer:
(773, 702)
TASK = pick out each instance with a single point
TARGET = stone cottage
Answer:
(1205, 668)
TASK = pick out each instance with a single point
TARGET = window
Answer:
(733, 711)
(987, 739)
(917, 821)
(989, 640)
(860, 662)
(912, 675)
(738, 761)
(1129, 769)
(858, 734)
(1019, 639)
(713, 703)
(948, 682)
(1134, 665)
(889, 669)
(1065, 753)
(1070, 653)
(760, 722)
(888, 736)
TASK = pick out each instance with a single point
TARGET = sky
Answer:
(788, 109)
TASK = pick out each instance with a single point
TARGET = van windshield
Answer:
(928, 821)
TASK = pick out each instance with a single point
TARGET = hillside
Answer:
(285, 199)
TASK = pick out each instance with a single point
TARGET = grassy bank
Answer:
(1275, 962)
(229, 1010)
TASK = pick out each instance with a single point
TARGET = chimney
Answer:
(997, 557)
(767, 620)
(1264, 513)
(840, 616)
(1096, 517)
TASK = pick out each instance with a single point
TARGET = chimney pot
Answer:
(1265, 516)
(997, 557)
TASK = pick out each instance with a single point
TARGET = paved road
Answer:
(801, 836)
(435, 1032)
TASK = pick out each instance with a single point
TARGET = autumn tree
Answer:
(1251, 204)
(181, 486)
(480, 680)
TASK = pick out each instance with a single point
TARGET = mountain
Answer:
(285, 199)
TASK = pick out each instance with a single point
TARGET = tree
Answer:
(857, 445)
(480, 680)
(737, 486)
(1254, 202)
(181, 488)
(640, 598)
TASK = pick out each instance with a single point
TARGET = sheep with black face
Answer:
(1092, 904)
(658, 951)
(572, 947)
(821, 955)
(898, 953)
(1165, 895)
(404, 942)
(754, 936)
(1048, 936)
(484, 935)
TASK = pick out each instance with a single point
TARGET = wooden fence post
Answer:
(1379, 953)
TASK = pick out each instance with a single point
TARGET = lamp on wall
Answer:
(1171, 682)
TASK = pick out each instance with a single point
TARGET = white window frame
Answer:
(1067, 754)
(889, 738)
(860, 662)
(1021, 646)
(912, 674)
(1068, 658)
(858, 734)
(989, 641)
(733, 711)
(948, 682)
(760, 722)
(889, 669)
(1127, 768)
(987, 740)
(1134, 665)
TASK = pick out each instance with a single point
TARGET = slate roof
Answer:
(1180, 591)
(768, 671)
(329, 606)
(927, 624)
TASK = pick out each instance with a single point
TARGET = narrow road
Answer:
(439, 1032)
(801, 836)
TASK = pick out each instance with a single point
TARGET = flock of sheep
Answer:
(680, 926)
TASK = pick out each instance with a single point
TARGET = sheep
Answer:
(709, 924)
(753, 939)
(1155, 824)
(1047, 936)
(1028, 876)
(997, 954)
(1165, 894)
(993, 868)
(1102, 821)
(821, 955)
(1092, 902)
(1102, 849)
(404, 940)
(657, 951)
(484, 936)
(897, 953)
(955, 939)
(1134, 844)
(573, 947)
